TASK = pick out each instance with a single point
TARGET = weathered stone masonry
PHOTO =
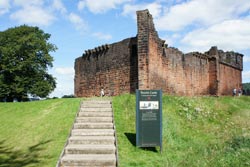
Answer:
(146, 62)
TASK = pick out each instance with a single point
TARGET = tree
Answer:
(246, 88)
(24, 63)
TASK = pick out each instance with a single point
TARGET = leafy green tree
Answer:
(246, 88)
(24, 63)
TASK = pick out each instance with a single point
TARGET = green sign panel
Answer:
(149, 118)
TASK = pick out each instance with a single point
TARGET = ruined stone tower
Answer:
(146, 62)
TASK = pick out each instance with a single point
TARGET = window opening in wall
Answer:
(134, 50)
(228, 57)
(237, 59)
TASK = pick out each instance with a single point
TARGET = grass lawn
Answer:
(197, 131)
(34, 133)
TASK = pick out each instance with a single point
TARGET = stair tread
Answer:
(98, 117)
(94, 114)
(89, 157)
(97, 101)
(92, 140)
(93, 123)
(92, 146)
(96, 140)
(94, 119)
(94, 130)
(91, 137)
(93, 126)
(96, 109)
(82, 117)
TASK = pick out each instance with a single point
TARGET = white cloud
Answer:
(28, 2)
(65, 71)
(154, 9)
(170, 39)
(81, 5)
(63, 88)
(100, 6)
(228, 35)
(58, 5)
(37, 12)
(33, 15)
(4, 7)
(200, 12)
(77, 21)
(246, 59)
(102, 36)
(65, 81)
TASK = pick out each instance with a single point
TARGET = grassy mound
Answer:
(34, 133)
(198, 131)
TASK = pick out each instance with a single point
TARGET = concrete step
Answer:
(96, 105)
(93, 132)
(95, 114)
(93, 119)
(90, 125)
(89, 149)
(97, 109)
(92, 140)
(86, 166)
(89, 160)
(96, 102)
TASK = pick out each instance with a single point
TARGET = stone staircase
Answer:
(92, 141)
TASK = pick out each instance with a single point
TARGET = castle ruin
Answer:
(146, 62)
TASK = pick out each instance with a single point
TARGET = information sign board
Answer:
(149, 118)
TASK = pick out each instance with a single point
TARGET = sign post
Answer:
(149, 118)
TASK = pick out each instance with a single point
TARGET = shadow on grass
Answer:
(132, 139)
(9, 157)
(239, 142)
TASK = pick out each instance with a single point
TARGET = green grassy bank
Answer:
(34, 133)
(199, 131)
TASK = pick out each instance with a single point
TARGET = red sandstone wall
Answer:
(215, 72)
(183, 74)
(229, 78)
(145, 63)
(167, 68)
(226, 71)
(196, 74)
(142, 45)
(213, 76)
(114, 70)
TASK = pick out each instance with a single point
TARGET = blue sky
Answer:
(78, 25)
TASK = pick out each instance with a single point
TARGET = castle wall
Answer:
(215, 72)
(142, 50)
(111, 67)
(213, 83)
(230, 69)
(230, 78)
(196, 78)
(167, 68)
(145, 62)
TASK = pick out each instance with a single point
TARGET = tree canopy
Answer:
(24, 62)
(246, 88)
